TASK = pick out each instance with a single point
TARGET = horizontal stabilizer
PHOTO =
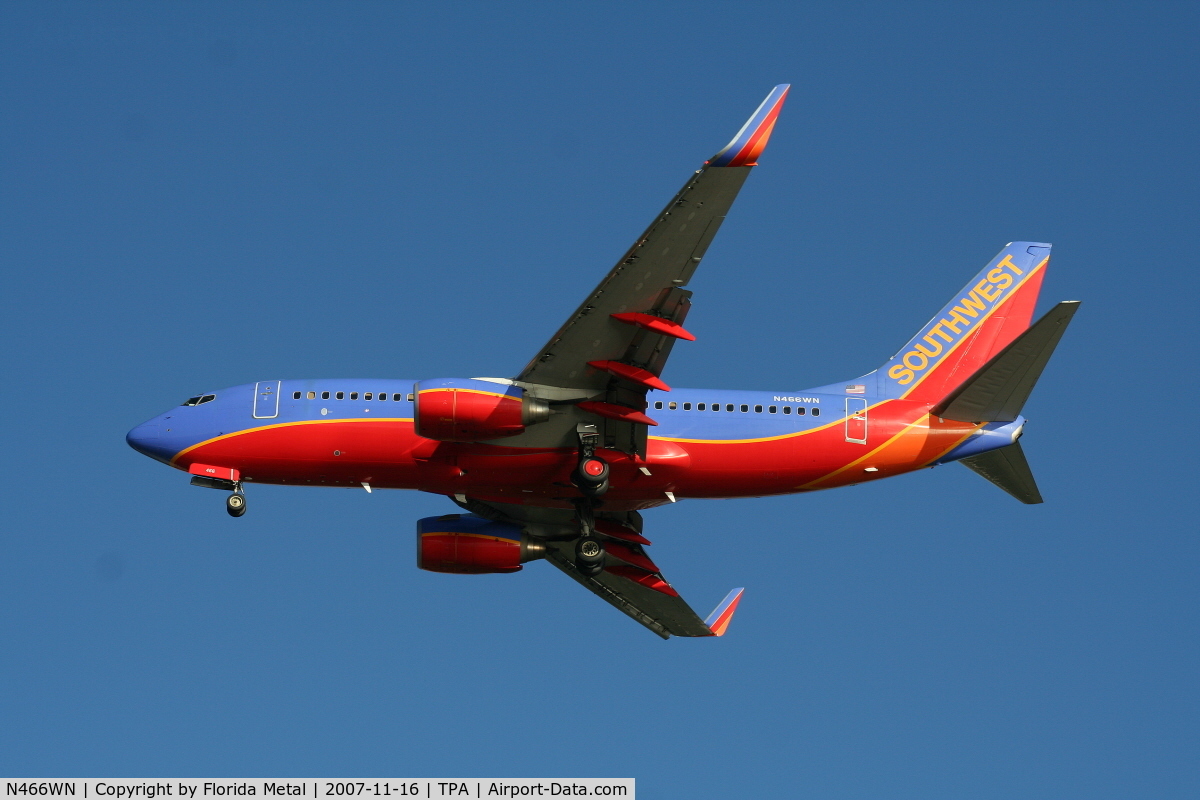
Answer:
(998, 391)
(1008, 469)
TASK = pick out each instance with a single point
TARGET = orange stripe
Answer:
(900, 449)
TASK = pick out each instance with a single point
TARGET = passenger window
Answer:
(699, 406)
(745, 408)
(354, 395)
(324, 395)
(410, 397)
(800, 410)
(658, 404)
(367, 396)
(729, 406)
(758, 409)
(340, 395)
(771, 409)
(672, 405)
(687, 406)
(716, 406)
(295, 395)
(312, 395)
(816, 412)
(787, 409)
(397, 397)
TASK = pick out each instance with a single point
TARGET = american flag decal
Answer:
(856, 388)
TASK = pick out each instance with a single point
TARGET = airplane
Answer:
(557, 462)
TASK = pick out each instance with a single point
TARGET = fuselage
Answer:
(708, 443)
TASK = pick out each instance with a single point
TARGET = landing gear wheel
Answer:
(591, 476)
(236, 504)
(589, 556)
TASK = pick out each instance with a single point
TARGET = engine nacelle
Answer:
(471, 545)
(461, 410)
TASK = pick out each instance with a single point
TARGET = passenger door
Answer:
(266, 399)
(856, 420)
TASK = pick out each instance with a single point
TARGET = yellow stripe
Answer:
(974, 328)
(187, 450)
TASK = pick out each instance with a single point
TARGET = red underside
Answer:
(388, 454)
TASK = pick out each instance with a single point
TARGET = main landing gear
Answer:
(235, 504)
(589, 552)
(590, 476)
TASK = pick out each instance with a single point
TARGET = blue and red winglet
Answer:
(748, 145)
(718, 620)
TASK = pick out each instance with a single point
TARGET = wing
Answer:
(613, 348)
(630, 581)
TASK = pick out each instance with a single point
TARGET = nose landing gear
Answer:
(235, 504)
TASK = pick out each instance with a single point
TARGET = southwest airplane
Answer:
(557, 462)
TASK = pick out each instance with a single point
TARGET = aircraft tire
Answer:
(235, 504)
(591, 476)
(589, 556)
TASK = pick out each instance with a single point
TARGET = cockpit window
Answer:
(200, 400)
(193, 401)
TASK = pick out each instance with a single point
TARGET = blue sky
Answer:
(197, 195)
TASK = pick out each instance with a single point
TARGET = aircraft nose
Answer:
(144, 436)
(149, 439)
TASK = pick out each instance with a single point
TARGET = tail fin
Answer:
(980, 321)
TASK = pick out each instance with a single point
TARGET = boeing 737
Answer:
(558, 461)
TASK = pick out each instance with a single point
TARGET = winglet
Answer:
(750, 141)
(718, 620)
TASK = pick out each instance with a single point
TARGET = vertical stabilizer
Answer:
(980, 321)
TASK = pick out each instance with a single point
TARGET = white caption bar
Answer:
(233, 788)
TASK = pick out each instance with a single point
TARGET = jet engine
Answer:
(470, 545)
(458, 410)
